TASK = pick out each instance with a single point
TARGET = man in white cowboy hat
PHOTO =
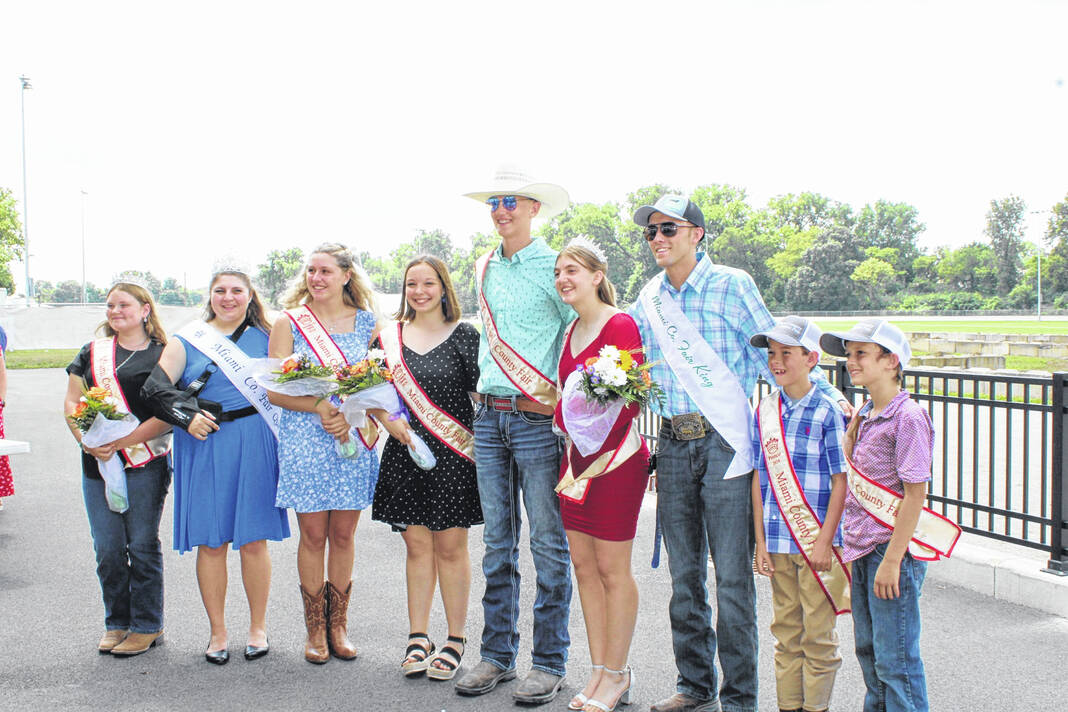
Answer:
(516, 449)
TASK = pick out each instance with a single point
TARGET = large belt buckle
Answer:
(688, 426)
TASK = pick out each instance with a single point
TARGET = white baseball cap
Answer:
(792, 331)
(874, 331)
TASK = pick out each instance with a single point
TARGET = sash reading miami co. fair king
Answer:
(329, 354)
(802, 522)
(701, 373)
(529, 380)
(440, 424)
(234, 364)
(102, 355)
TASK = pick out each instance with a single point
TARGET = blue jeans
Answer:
(887, 636)
(702, 513)
(129, 561)
(518, 451)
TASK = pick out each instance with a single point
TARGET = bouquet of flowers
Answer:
(100, 418)
(296, 375)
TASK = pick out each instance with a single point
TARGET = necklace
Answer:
(133, 352)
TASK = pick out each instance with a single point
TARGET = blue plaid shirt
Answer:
(725, 306)
(814, 427)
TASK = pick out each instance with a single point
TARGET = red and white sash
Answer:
(440, 424)
(329, 354)
(102, 356)
(801, 520)
(529, 380)
(575, 488)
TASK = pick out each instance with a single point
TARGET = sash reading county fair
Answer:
(329, 354)
(234, 364)
(102, 355)
(441, 425)
(575, 488)
(797, 513)
(530, 381)
(701, 372)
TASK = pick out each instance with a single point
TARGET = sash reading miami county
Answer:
(329, 354)
(701, 372)
(234, 364)
(440, 424)
(529, 380)
(801, 520)
(102, 355)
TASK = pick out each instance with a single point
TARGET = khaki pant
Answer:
(806, 643)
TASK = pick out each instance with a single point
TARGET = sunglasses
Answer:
(667, 229)
(509, 202)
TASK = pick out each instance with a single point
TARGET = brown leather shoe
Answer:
(137, 643)
(111, 639)
(337, 627)
(315, 648)
(684, 703)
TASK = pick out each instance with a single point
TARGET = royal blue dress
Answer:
(312, 477)
(224, 487)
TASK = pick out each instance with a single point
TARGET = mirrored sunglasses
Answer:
(509, 202)
(668, 229)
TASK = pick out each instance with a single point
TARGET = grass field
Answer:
(40, 358)
(1019, 325)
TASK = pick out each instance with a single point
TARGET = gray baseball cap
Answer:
(792, 331)
(875, 331)
(674, 206)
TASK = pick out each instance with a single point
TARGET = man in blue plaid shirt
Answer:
(703, 489)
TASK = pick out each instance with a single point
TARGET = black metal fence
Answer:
(999, 462)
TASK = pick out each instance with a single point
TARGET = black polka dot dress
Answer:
(447, 495)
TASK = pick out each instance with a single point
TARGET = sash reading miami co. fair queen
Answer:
(329, 354)
(797, 513)
(102, 355)
(440, 424)
(701, 372)
(529, 380)
(234, 364)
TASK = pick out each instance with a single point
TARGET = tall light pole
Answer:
(1039, 254)
(25, 210)
(85, 194)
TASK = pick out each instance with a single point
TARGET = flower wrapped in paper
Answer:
(100, 418)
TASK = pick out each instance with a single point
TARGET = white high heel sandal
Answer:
(624, 697)
(582, 699)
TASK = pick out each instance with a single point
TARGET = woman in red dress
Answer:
(600, 528)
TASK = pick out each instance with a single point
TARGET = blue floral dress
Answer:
(312, 477)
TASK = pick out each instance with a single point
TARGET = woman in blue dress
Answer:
(225, 458)
(333, 302)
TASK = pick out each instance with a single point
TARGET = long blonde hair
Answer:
(153, 326)
(585, 257)
(355, 293)
(256, 315)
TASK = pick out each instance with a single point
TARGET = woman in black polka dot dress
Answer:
(434, 358)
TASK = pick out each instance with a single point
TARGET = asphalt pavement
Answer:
(981, 653)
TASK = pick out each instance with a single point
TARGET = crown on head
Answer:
(586, 243)
(131, 277)
(231, 263)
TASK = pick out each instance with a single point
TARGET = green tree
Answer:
(274, 275)
(895, 225)
(876, 276)
(822, 280)
(723, 206)
(172, 293)
(1004, 229)
(1055, 267)
(68, 291)
(11, 238)
(432, 242)
(971, 268)
(603, 226)
(462, 270)
(808, 210)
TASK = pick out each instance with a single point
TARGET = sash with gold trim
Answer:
(801, 520)
(575, 488)
(440, 424)
(102, 356)
(529, 380)
(329, 354)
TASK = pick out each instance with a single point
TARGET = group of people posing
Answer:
(486, 403)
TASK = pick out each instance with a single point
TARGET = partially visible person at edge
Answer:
(601, 515)
(7, 483)
(434, 359)
(129, 561)
(516, 449)
(225, 453)
(891, 442)
(704, 462)
(330, 305)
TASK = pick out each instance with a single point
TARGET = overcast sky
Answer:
(204, 128)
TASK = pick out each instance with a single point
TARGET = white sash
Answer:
(329, 354)
(105, 375)
(797, 513)
(234, 364)
(529, 380)
(440, 424)
(701, 373)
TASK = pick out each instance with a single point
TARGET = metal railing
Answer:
(999, 466)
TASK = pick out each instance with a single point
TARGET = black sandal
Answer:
(416, 655)
(450, 657)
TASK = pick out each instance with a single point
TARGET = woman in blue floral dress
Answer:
(326, 491)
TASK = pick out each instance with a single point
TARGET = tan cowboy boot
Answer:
(337, 630)
(315, 647)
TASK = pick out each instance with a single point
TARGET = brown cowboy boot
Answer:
(337, 629)
(315, 646)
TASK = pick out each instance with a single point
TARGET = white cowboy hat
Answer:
(510, 180)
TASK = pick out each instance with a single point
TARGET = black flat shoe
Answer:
(218, 657)
(252, 652)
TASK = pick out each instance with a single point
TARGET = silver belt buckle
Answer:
(688, 426)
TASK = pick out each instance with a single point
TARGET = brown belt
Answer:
(687, 426)
(512, 404)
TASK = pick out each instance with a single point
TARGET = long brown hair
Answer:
(355, 293)
(585, 257)
(256, 315)
(450, 305)
(153, 326)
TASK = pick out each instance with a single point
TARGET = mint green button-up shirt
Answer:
(529, 314)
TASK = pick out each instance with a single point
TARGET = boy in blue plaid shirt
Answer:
(810, 426)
